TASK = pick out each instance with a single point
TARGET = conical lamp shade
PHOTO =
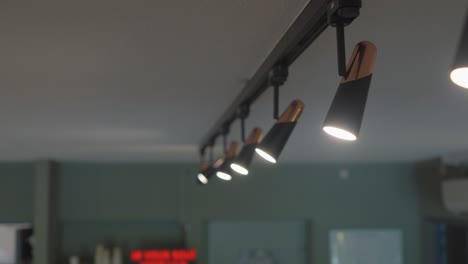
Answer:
(224, 171)
(345, 115)
(242, 162)
(273, 143)
(205, 173)
(459, 73)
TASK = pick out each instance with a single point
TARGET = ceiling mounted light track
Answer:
(459, 73)
(308, 26)
(345, 115)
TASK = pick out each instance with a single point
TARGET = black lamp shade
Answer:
(346, 112)
(347, 108)
(273, 143)
(205, 173)
(459, 73)
(224, 170)
(242, 162)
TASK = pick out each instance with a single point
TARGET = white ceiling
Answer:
(144, 80)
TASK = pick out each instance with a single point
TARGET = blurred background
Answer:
(103, 105)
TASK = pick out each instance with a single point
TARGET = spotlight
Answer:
(205, 173)
(242, 162)
(459, 74)
(224, 170)
(271, 146)
(344, 117)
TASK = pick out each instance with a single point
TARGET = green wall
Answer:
(286, 240)
(135, 203)
(374, 196)
(129, 205)
(16, 192)
(119, 192)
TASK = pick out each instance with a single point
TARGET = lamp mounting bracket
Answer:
(212, 142)
(224, 130)
(343, 12)
(202, 152)
(340, 14)
(279, 75)
(243, 111)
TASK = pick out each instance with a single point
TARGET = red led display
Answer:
(176, 256)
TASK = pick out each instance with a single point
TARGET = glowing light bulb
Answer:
(265, 155)
(239, 169)
(202, 178)
(339, 133)
(459, 76)
(223, 176)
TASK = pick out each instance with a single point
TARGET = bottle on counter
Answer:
(98, 254)
(74, 260)
(117, 256)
